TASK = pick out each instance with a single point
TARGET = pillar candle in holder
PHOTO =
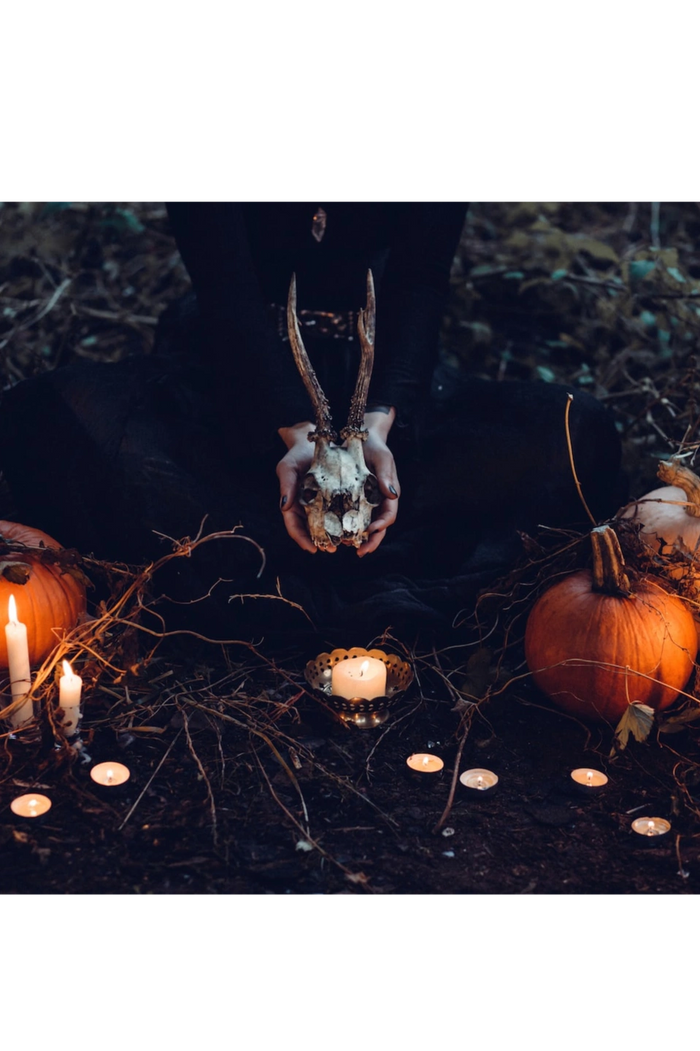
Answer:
(18, 666)
(70, 689)
(359, 677)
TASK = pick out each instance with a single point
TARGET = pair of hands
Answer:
(379, 459)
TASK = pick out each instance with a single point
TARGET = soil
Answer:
(241, 782)
(226, 812)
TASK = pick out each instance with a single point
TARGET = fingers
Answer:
(289, 480)
(388, 510)
(371, 544)
(294, 520)
(384, 467)
(385, 516)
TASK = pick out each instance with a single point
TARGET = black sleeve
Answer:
(241, 341)
(414, 292)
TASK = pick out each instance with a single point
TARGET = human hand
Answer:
(380, 460)
(291, 471)
(294, 466)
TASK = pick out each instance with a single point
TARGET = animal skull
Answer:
(339, 492)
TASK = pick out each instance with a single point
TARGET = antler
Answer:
(319, 401)
(365, 330)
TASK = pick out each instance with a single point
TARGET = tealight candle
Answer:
(423, 765)
(650, 830)
(588, 782)
(110, 775)
(31, 806)
(70, 688)
(478, 781)
(362, 677)
(18, 665)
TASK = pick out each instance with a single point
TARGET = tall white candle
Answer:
(359, 677)
(69, 690)
(18, 665)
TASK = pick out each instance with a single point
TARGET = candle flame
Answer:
(650, 828)
(363, 668)
(109, 776)
(426, 760)
(67, 670)
(479, 781)
(589, 777)
(33, 802)
(12, 610)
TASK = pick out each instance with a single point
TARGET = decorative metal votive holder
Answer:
(358, 711)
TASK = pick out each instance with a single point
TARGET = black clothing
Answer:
(240, 258)
(157, 443)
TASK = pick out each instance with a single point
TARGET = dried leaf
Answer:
(638, 721)
(673, 724)
(16, 572)
(478, 675)
(597, 249)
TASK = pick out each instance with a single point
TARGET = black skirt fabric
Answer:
(118, 460)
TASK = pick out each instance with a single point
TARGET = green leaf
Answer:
(514, 275)
(638, 721)
(558, 274)
(55, 206)
(545, 374)
(123, 220)
(675, 272)
(647, 318)
(639, 268)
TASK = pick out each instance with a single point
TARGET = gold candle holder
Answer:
(361, 712)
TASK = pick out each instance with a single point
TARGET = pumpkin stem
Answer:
(672, 472)
(608, 561)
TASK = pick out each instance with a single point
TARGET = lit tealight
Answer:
(424, 763)
(587, 781)
(479, 781)
(30, 806)
(110, 775)
(649, 828)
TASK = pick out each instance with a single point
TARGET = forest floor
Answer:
(241, 782)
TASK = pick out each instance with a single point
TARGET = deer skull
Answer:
(339, 492)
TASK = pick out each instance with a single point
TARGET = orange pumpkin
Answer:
(594, 643)
(49, 602)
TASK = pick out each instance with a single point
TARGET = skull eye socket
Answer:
(373, 494)
(309, 490)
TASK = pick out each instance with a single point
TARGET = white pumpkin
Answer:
(670, 515)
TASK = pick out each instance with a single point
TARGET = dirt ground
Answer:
(241, 782)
